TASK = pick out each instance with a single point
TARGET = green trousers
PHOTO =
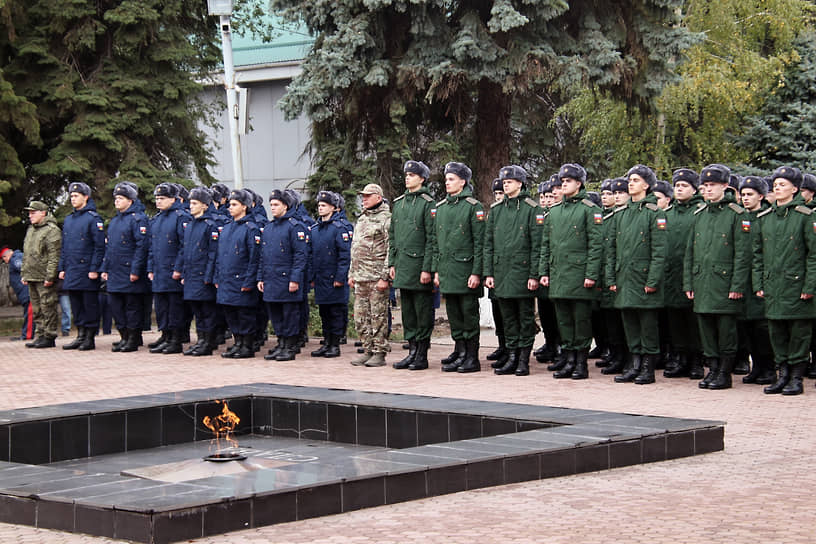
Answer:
(519, 321)
(642, 330)
(574, 323)
(417, 313)
(463, 315)
(718, 334)
(790, 340)
(45, 304)
(684, 332)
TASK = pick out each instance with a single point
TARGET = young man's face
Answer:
(413, 181)
(498, 196)
(277, 208)
(454, 184)
(751, 199)
(607, 199)
(512, 187)
(637, 185)
(713, 191)
(663, 200)
(236, 209)
(570, 187)
(558, 194)
(683, 191)
(197, 207)
(807, 194)
(36, 216)
(121, 203)
(325, 210)
(164, 202)
(621, 198)
(783, 190)
(542, 200)
(78, 200)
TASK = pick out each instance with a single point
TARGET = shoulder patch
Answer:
(736, 208)
(764, 212)
(471, 200)
(92, 213)
(589, 203)
(652, 206)
(530, 202)
(427, 197)
(803, 210)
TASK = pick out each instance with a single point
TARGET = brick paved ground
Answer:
(760, 489)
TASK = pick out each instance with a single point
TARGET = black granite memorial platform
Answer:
(132, 468)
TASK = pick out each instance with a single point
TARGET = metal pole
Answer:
(232, 102)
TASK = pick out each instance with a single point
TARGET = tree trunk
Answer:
(492, 137)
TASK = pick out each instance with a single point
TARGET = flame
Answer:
(223, 425)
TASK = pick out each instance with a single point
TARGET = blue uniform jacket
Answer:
(303, 216)
(236, 263)
(126, 251)
(198, 257)
(331, 256)
(83, 248)
(16, 277)
(166, 247)
(283, 258)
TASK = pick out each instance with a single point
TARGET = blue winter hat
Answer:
(170, 190)
(718, 173)
(513, 172)
(688, 175)
(459, 169)
(242, 196)
(574, 171)
(645, 172)
(220, 191)
(417, 167)
(756, 183)
(294, 197)
(79, 187)
(282, 196)
(126, 189)
(664, 187)
(202, 194)
(183, 192)
(329, 198)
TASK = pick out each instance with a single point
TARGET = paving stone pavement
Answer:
(760, 489)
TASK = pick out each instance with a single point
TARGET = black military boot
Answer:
(117, 346)
(767, 375)
(631, 370)
(596, 352)
(245, 349)
(499, 351)
(559, 361)
(457, 354)
(617, 363)
(289, 346)
(756, 371)
(81, 332)
(722, 379)
(238, 339)
(208, 346)
(781, 381)
(713, 364)
(420, 361)
(334, 346)
(201, 341)
(547, 354)
(580, 372)
(647, 369)
(510, 365)
(88, 343)
(794, 386)
(680, 367)
(44, 342)
(696, 369)
(159, 341)
(607, 355)
(174, 344)
(523, 365)
(324, 347)
(406, 361)
(741, 365)
(274, 350)
(471, 362)
(569, 365)
(133, 341)
(500, 362)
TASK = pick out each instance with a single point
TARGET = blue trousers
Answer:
(85, 307)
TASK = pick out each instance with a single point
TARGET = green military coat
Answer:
(607, 297)
(754, 306)
(572, 247)
(459, 228)
(411, 239)
(718, 257)
(784, 264)
(637, 254)
(512, 245)
(680, 218)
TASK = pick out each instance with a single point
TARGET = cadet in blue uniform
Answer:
(125, 265)
(164, 264)
(83, 248)
(331, 256)
(303, 216)
(198, 270)
(236, 271)
(281, 276)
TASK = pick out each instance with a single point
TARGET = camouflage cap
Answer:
(371, 189)
(37, 206)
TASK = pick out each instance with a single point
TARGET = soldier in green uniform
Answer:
(683, 335)
(571, 249)
(758, 342)
(808, 190)
(511, 253)
(41, 256)
(613, 361)
(546, 311)
(458, 260)
(410, 257)
(715, 273)
(784, 274)
(500, 354)
(635, 271)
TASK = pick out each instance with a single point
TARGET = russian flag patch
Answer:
(143, 230)
(100, 226)
(746, 226)
(540, 219)
(345, 237)
(661, 223)
(214, 235)
(433, 212)
(257, 240)
(480, 215)
(301, 236)
(598, 217)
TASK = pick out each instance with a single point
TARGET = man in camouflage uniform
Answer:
(369, 276)
(41, 255)
(410, 257)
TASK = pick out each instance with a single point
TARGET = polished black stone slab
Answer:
(132, 468)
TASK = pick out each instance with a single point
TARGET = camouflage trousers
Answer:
(45, 305)
(371, 316)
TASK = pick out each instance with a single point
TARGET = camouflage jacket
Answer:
(369, 247)
(41, 251)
